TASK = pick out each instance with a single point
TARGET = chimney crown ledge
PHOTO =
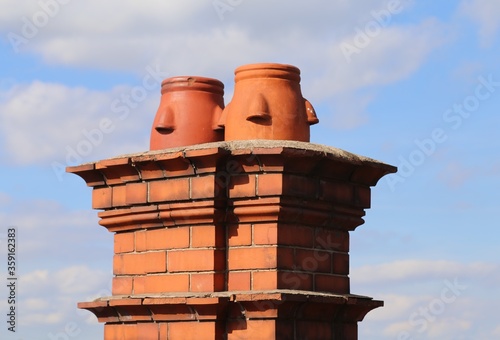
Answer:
(285, 148)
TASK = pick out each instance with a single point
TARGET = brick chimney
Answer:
(233, 239)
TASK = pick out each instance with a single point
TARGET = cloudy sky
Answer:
(415, 84)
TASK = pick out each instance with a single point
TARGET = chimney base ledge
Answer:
(272, 304)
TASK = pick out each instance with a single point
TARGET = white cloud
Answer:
(391, 56)
(64, 257)
(77, 280)
(36, 304)
(485, 14)
(50, 296)
(189, 38)
(447, 326)
(37, 280)
(395, 305)
(45, 122)
(425, 300)
(42, 318)
(62, 235)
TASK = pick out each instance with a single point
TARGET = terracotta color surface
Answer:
(268, 104)
(188, 114)
(232, 240)
(273, 315)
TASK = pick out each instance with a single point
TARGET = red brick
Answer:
(170, 309)
(340, 263)
(140, 240)
(245, 162)
(251, 329)
(232, 165)
(300, 186)
(337, 191)
(146, 331)
(295, 280)
(278, 150)
(161, 283)
(196, 260)
(262, 309)
(335, 169)
(265, 233)
(121, 285)
(92, 177)
(210, 282)
(150, 170)
(362, 196)
(124, 242)
(268, 159)
(239, 234)
(338, 284)
(204, 152)
(270, 184)
(102, 198)
(136, 193)
(169, 190)
(165, 238)
(265, 280)
(204, 160)
(207, 236)
(314, 330)
(163, 331)
(193, 212)
(292, 235)
(238, 281)
(262, 280)
(143, 263)
(192, 330)
(252, 258)
(313, 260)
(285, 258)
(119, 196)
(120, 331)
(175, 164)
(155, 262)
(330, 239)
(112, 162)
(125, 264)
(297, 163)
(346, 330)
(203, 187)
(116, 173)
(242, 186)
(285, 329)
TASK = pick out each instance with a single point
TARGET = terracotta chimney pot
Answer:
(268, 104)
(189, 111)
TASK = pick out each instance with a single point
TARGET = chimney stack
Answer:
(235, 234)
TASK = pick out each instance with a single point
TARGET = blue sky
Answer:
(415, 84)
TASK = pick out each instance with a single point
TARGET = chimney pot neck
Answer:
(192, 83)
(267, 70)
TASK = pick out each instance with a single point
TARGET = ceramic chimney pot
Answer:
(189, 111)
(268, 104)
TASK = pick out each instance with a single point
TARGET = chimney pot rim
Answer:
(180, 83)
